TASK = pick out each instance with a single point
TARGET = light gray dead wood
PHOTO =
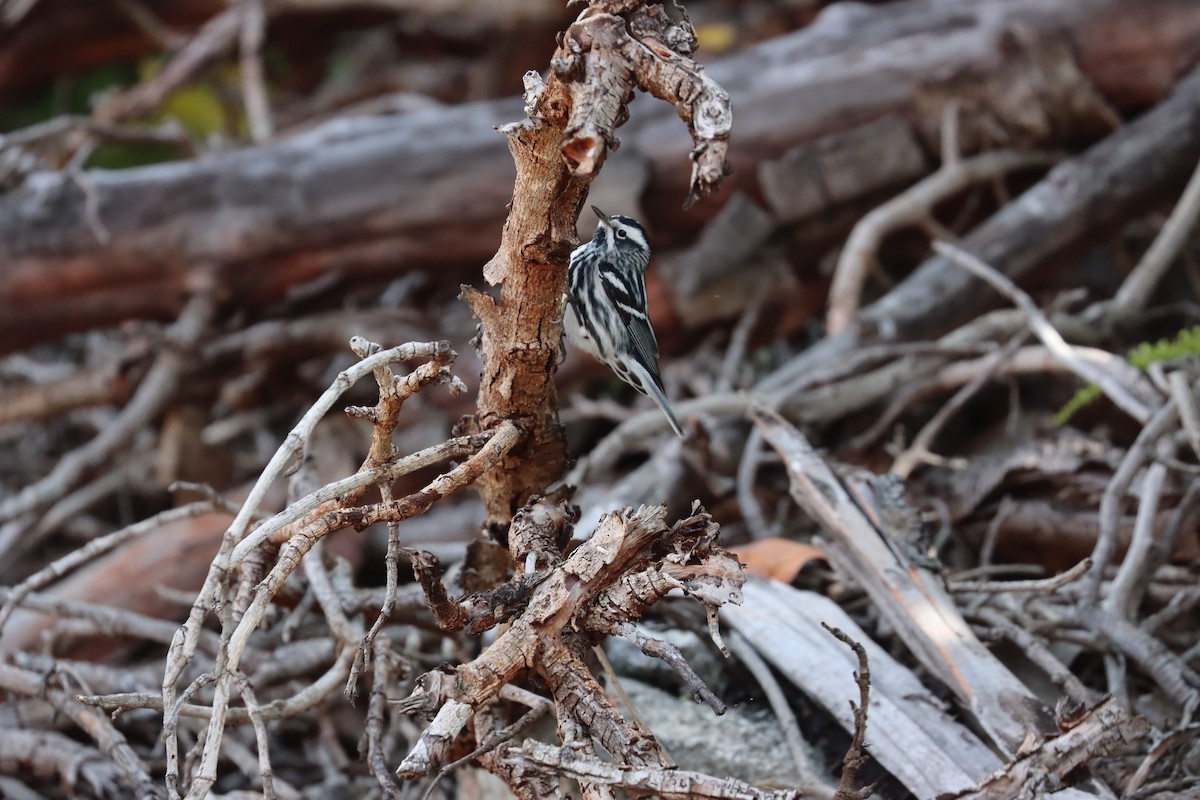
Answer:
(920, 745)
(1079, 201)
(1101, 731)
(911, 598)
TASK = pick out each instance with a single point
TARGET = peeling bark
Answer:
(570, 609)
(558, 151)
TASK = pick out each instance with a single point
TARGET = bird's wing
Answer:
(627, 292)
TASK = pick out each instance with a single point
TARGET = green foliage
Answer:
(1185, 343)
(203, 108)
(123, 155)
(77, 95)
(198, 109)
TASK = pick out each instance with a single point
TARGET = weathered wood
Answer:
(912, 599)
(1077, 205)
(1002, 60)
(921, 745)
(357, 198)
(366, 198)
(1099, 732)
(559, 150)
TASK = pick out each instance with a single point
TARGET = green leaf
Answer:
(1185, 343)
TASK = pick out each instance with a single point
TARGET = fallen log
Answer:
(1078, 204)
(368, 198)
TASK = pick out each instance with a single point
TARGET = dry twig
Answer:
(252, 605)
(1114, 496)
(856, 755)
(1046, 768)
(1135, 292)
(609, 580)
(1119, 382)
(573, 116)
(151, 397)
(797, 748)
(913, 207)
(537, 758)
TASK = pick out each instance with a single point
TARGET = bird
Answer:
(607, 307)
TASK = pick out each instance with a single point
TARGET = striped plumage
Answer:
(607, 306)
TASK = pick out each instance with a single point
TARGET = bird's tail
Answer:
(656, 394)
(661, 399)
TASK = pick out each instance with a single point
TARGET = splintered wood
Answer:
(869, 531)
(631, 561)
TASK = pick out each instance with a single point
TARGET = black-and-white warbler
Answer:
(608, 308)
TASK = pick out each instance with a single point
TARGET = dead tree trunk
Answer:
(558, 151)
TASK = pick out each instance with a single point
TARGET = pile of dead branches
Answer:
(932, 340)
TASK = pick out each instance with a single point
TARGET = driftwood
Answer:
(605, 584)
(364, 198)
(1096, 732)
(559, 150)
(1112, 181)
(909, 596)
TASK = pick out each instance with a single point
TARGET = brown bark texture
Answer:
(573, 119)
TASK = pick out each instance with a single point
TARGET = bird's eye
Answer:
(621, 234)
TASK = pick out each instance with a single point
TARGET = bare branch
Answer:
(912, 207)
(1120, 383)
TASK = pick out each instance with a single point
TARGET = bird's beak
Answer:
(603, 217)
